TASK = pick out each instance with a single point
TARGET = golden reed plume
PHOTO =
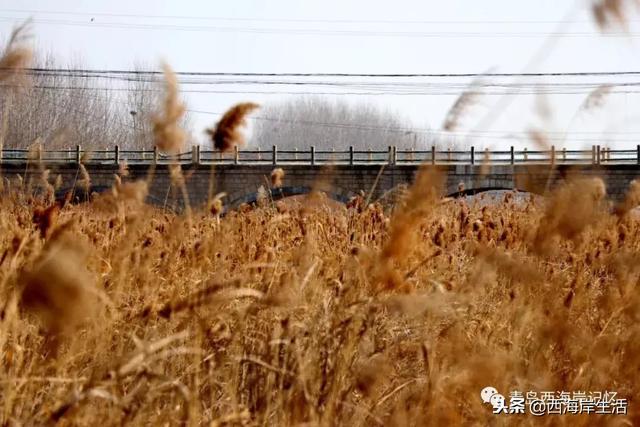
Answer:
(465, 101)
(57, 288)
(45, 218)
(226, 134)
(277, 177)
(459, 108)
(15, 57)
(168, 135)
(596, 98)
(608, 13)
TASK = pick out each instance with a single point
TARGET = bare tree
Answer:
(303, 122)
(64, 109)
(142, 98)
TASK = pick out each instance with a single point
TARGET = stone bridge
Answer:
(242, 181)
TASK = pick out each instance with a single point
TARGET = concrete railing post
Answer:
(553, 154)
(433, 154)
(598, 154)
(116, 154)
(194, 160)
(564, 154)
(274, 154)
(449, 156)
(313, 155)
(351, 155)
(512, 155)
(638, 154)
(526, 154)
(593, 154)
(236, 155)
(473, 155)
(394, 155)
(155, 155)
(78, 154)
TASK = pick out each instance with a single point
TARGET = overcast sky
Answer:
(373, 36)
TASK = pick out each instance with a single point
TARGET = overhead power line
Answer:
(86, 71)
(359, 84)
(373, 83)
(382, 92)
(322, 32)
(289, 20)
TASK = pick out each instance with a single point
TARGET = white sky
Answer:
(374, 36)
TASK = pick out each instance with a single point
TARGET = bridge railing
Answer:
(311, 156)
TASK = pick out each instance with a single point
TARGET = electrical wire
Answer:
(291, 20)
(321, 32)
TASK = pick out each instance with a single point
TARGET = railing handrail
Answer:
(344, 155)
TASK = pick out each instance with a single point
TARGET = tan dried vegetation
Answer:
(16, 56)
(169, 136)
(609, 13)
(114, 310)
(227, 133)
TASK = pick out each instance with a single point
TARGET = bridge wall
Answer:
(240, 181)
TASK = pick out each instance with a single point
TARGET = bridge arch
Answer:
(475, 191)
(284, 192)
(487, 183)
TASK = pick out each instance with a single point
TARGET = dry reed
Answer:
(227, 133)
(466, 100)
(169, 136)
(285, 316)
(608, 13)
(15, 57)
(277, 177)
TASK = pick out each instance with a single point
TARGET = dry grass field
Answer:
(116, 312)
